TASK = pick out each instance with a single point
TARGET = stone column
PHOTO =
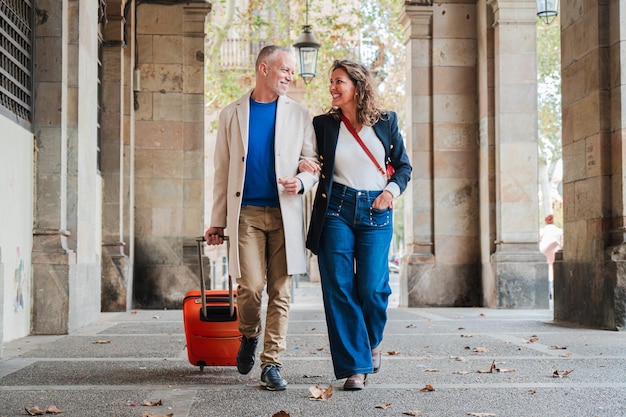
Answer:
(169, 152)
(486, 159)
(53, 262)
(67, 230)
(442, 264)
(116, 275)
(520, 270)
(419, 258)
(590, 278)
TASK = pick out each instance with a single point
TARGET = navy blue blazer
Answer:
(327, 132)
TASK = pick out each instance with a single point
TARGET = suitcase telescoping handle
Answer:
(231, 297)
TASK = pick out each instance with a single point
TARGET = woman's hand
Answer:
(383, 201)
(311, 167)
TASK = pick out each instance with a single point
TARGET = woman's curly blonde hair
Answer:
(368, 110)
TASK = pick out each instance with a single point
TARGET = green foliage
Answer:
(346, 30)
(549, 109)
(549, 91)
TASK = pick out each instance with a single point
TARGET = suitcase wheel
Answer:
(201, 368)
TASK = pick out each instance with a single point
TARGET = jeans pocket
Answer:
(335, 206)
(379, 218)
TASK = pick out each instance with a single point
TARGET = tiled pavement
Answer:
(112, 367)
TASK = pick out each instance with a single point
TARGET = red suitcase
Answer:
(211, 323)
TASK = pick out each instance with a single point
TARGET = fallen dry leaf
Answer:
(319, 393)
(467, 335)
(36, 411)
(383, 406)
(427, 388)
(156, 317)
(152, 403)
(410, 326)
(566, 355)
(133, 311)
(393, 352)
(430, 370)
(532, 339)
(282, 413)
(101, 342)
(480, 414)
(411, 413)
(149, 414)
(561, 374)
(460, 372)
(458, 358)
(482, 314)
(533, 391)
(558, 347)
(52, 409)
(480, 349)
(311, 376)
(461, 328)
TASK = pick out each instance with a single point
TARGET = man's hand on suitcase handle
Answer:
(214, 235)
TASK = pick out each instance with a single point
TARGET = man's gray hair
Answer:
(267, 54)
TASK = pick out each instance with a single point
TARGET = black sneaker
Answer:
(271, 379)
(245, 356)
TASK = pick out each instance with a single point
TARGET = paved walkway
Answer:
(479, 362)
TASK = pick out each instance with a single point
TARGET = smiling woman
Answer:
(352, 220)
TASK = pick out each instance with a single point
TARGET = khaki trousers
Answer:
(263, 264)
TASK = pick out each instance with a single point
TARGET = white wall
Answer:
(16, 228)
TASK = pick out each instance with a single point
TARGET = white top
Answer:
(550, 241)
(354, 168)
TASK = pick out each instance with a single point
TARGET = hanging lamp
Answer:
(547, 10)
(307, 46)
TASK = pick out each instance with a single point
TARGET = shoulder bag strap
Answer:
(345, 120)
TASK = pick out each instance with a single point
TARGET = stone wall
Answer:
(169, 151)
(590, 279)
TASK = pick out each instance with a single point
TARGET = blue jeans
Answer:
(355, 277)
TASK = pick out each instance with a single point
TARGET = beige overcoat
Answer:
(294, 141)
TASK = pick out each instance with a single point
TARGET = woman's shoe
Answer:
(355, 382)
(376, 358)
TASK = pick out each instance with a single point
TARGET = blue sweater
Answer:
(260, 184)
